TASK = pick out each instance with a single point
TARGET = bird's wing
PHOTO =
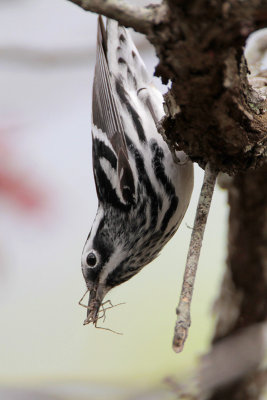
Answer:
(109, 146)
(141, 104)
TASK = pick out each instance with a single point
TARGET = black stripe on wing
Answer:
(159, 170)
(107, 119)
(155, 200)
(105, 191)
(133, 114)
(102, 150)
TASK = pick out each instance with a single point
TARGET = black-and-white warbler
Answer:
(143, 194)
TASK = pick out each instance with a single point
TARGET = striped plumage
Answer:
(143, 194)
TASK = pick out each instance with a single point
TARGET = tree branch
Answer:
(218, 118)
(183, 310)
(140, 18)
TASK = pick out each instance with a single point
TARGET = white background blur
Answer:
(47, 204)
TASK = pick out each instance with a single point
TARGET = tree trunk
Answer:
(243, 298)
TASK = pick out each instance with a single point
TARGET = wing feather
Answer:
(107, 120)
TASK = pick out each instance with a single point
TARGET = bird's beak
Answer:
(96, 296)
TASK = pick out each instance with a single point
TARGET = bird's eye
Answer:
(91, 259)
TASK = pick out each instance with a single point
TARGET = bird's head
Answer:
(105, 262)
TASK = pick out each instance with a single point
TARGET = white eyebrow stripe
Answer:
(89, 242)
(112, 264)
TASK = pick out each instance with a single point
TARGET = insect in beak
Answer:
(94, 303)
(94, 308)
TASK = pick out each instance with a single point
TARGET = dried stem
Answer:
(139, 18)
(183, 310)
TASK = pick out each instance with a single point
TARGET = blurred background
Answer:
(47, 205)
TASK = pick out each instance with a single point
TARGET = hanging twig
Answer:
(183, 310)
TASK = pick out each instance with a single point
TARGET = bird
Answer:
(143, 192)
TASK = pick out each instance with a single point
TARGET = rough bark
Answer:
(212, 112)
